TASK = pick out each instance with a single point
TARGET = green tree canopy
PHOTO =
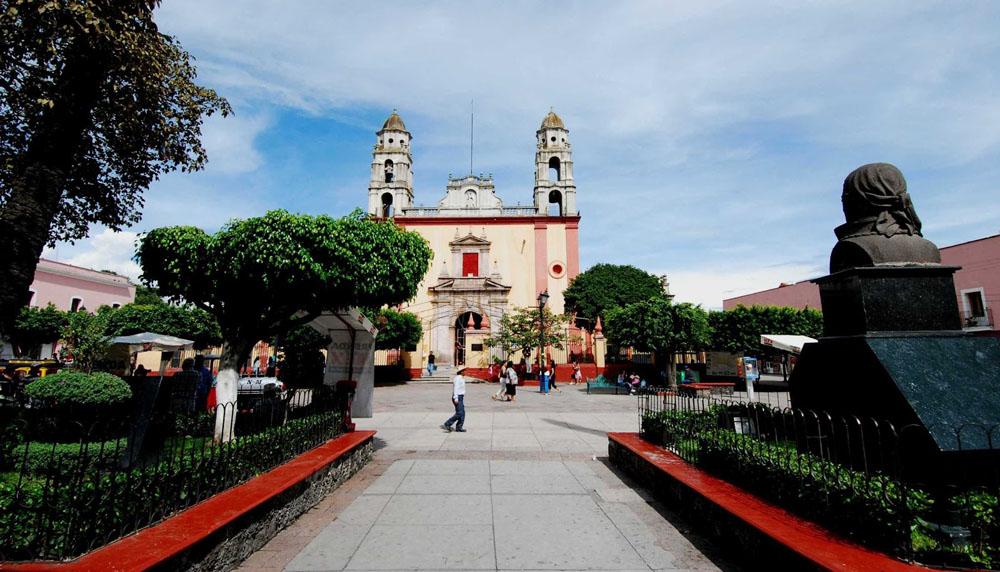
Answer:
(36, 326)
(146, 296)
(95, 103)
(396, 329)
(603, 287)
(179, 321)
(520, 331)
(739, 330)
(267, 275)
(659, 326)
(86, 339)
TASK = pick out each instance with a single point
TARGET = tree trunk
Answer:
(671, 373)
(226, 385)
(37, 189)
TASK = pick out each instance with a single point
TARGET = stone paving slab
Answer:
(527, 487)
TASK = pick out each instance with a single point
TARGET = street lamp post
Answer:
(542, 299)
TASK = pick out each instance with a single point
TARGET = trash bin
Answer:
(543, 383)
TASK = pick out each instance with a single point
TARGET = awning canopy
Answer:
(785, 342)
(342, 320)
(149, 341)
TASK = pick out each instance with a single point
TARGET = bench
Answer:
(601, 381)
(706, 389)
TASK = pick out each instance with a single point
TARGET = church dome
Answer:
(395, 122)
(552, 121)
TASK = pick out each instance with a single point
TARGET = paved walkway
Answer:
(527, 487)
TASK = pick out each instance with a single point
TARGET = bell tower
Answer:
(555, 191)
(391, 187)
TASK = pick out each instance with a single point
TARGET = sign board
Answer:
(722, 364)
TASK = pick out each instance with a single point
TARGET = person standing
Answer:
(430, 363)
(501, 393)
(551, 373)
(511, 381)
(458, 400)
(205, 382)
(577, 376)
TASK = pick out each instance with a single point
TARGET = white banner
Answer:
(339, 366)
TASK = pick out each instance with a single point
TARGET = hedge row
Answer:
(874, 510)
(71, 512)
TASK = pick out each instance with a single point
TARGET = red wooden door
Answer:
(470, 264)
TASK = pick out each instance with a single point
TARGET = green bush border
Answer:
(873, 510)
(72, 511)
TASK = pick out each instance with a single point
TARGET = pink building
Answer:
(73, 288)
(977, 286)
(798, 295)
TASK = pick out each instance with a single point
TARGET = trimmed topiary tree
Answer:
(74, 402)
(75, 389)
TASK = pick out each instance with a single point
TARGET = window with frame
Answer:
(470, 264)
(977, 308)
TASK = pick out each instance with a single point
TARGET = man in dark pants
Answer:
(458, 399)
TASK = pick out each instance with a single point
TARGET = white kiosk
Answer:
(351, 354)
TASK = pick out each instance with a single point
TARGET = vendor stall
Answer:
(787, 348)
(350, 357)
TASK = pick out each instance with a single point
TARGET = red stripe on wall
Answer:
(541, 257)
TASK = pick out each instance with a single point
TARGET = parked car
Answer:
(257, 384)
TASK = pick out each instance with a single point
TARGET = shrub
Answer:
(70, 512)
(873, 509)
(74, 389)
(41, 458)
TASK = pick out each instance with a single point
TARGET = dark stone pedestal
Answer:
(889, 299)
(949, 384)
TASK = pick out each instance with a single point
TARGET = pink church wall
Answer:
(59, 283)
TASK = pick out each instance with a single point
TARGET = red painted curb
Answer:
(151, 546)
(811, 541)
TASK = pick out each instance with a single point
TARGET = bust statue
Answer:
(882, 228)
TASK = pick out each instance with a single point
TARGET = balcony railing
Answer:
(982, 319)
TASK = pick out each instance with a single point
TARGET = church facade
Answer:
(489, 258)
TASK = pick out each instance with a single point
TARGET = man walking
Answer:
(458, 399)
(430, 363)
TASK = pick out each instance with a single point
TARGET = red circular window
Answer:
(557, 269)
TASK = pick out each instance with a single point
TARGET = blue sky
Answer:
(710, 140)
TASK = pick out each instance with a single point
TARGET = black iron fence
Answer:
(923, 494)
(74, 480)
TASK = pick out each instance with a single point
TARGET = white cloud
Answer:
(107, 250)
(710, 287)
(708, 138)
(229, 142)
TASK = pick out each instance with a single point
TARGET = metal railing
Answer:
(927, 494)
(75, 480)
(983, 319)
(388, 357)
(519, 211)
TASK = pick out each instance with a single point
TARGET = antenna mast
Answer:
(472, 131)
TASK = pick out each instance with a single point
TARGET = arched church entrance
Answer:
(462, 324)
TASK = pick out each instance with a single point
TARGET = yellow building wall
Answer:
(512, 252)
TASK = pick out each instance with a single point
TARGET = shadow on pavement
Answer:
(575, 427)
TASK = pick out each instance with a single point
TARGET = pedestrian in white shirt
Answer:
(458, 400)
